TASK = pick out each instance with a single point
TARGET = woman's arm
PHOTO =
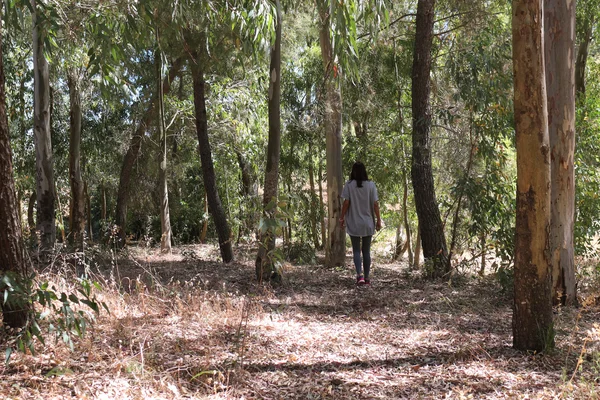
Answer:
(376, 209)
(345, 207)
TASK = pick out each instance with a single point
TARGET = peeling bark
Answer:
(532, 314)
(336, 238)
(559, 26)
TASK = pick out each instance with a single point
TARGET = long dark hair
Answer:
(359, 173)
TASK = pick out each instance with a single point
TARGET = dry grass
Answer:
(186, 326)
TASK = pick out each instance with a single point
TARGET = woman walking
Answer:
(360, 216)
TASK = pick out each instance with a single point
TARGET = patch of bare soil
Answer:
(188, 326)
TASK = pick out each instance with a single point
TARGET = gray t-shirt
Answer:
(360, 217)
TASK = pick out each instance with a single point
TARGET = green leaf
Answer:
(8, 353)
(73, 298)
(91, 304)
(59, 371)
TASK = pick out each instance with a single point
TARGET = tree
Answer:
(264, 261)
(430, 222)
(208, 170)
(77, 206)
(532, 314)
(165, 219)
(336, 239)
(559, 42)
(134, 149)
(43, 144)
(12, 261)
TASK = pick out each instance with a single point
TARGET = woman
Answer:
(360, 208)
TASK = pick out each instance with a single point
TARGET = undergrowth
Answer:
(180, 326)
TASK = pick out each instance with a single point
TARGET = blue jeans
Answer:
(366, 254)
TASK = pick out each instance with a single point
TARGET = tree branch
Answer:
(389, 25)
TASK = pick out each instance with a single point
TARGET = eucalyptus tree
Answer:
(45, 190)
(265, 268)
(210, 28)
(165, 220)
(431, 228)
(77, 216)
(336, 237)
(559, 42)
(208, 172)
(337, 37)
(532, 313)
(13, 269)
(67, 20)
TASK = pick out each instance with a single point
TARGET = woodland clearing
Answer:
(187, 326)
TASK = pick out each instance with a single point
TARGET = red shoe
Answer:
(368, 282)
(360, 281)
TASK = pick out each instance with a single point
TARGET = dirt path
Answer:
(187, 327)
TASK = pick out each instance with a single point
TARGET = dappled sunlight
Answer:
(192, 327)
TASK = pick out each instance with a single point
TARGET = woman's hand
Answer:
(378, 226)
(342, 222)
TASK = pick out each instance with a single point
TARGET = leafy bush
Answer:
(61, 313)
(300, 253)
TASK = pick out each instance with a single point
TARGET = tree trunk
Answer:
(15, 312)
(532, 314)
(336, 240)
(559, 41)
(31, 212)
(23, 116)
(314, 211)
(408, 244)
(417, 248)
(405, 214)
(165, 219)
(208, 171)
(430, 221)
(582, 54)
(321, 207)
(132, 153)
(43, 145)
(60, 214)
(77, 207)
(205, 220)
(265, 269)
(88, 209)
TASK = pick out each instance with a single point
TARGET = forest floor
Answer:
(186, 326)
